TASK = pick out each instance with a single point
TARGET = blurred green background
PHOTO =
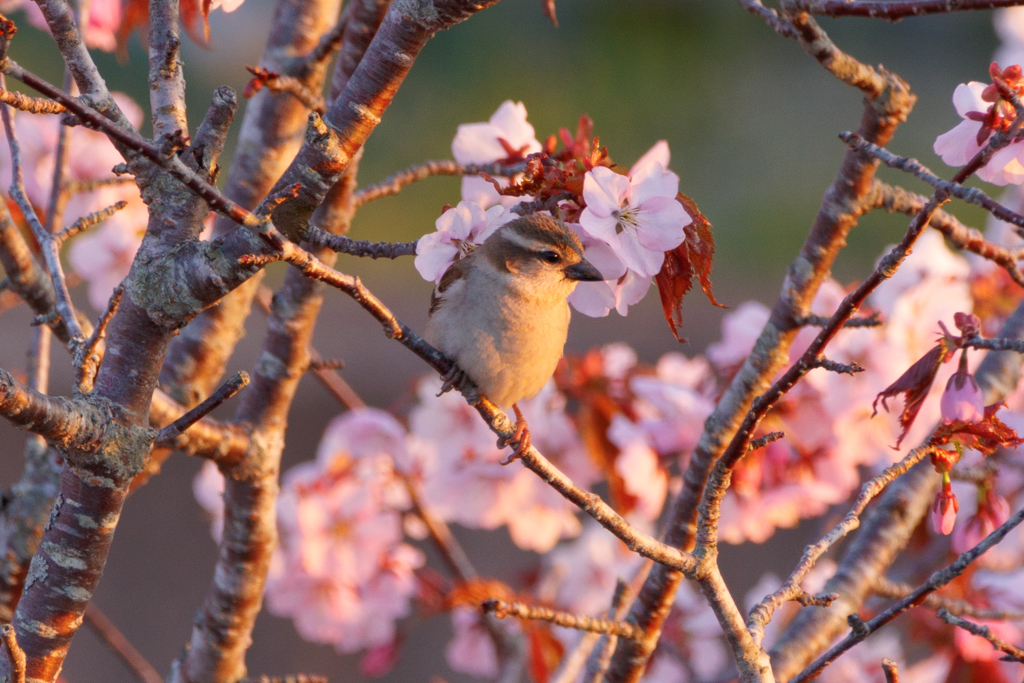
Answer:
(752, 122)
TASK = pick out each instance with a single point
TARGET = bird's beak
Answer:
(583, 271)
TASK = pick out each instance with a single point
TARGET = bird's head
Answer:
(541, 254)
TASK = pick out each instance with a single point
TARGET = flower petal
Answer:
(957, 146)
(477, 143)
(630, 291)
(657, 154)
(644, 261)
(594, 299)
(652, 181)
(602, 228)
(604, 190)
(433, 261)
(967, 97)
(511, 124)
(662, 230)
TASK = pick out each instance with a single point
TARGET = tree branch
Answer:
(983, 631)
(502, 609)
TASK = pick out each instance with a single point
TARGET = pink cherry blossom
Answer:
(101, 31)
(962, 400)
(959, 145)
(481, 143)
(993, 511)
(597, 299)
(208, 489)
(740, 329)
(637, 464)
(673, 404)
(459, 230)
(472, 650)
(636, 214)
(468, 484)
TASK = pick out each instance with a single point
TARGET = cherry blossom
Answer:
(1009, 25)
(636, 214)
(673, 403)
(472, 649)
(637, 464)
(468, 484)
(101, 31)
(962, 400)
(208, 489)
(959, 145)
(506, 135)
(459, 230)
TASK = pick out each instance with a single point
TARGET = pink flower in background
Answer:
(101, 31)
(993, 511)
(208, 489)
(637, 463)
(673, 404)
(472, 650)
(342, 572)
(468, 485)
(506, 135)
(976, 649)
(740, 329)
(959, 145)
(459, 230)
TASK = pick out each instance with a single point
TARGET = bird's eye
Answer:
(550, 256)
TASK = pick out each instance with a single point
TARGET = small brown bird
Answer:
(501, 313)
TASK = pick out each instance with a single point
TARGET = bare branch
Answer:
(761, 442)
(87, 359)
(820, 320)
(116, 641)
(959, 235)
(398, 181)
(88, 221)
(971, 195)
(837, 367)
(894, 10)
(346, 245)
(890, 589)
(226, 391)
(82, 186)
(502, 609)
(761, 614)
(935, 581)
(281, 83)
(32, 105)
(15, 655)
(777, 23)
(601, 658)
(891, 671)
(985, 632)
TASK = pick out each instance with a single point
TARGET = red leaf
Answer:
(690, 259)
(193, 15)
(545, 651)
(985, 436)
(914, 384)
(549, 11)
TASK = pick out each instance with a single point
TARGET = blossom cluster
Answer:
(626, 222)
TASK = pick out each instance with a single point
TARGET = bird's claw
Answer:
(455, 378)
(520, 439)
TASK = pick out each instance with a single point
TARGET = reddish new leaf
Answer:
(690, 259)
(914, 385)
(473, 593)
(549, 11)
(193, 15)
(985, 436)
(545, 651)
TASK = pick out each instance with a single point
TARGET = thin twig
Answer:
(971, 195)
(837, 367)
(894, 10)
(32, 105)
(891, 589)
(985, 632)
(346, 245)
(166, 435)
(83, 186)
(86, 222)
(820, 320)
(15, 655)
(995, 344)
(891, 671)
(282, 83)
(762, 613)
(502, 609)
(116, 641)
(762, 441)
(936, 581)
(87, 360)
(895, 198)
(601, 657)
(396, 182)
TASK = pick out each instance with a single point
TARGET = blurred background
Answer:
(752, 122)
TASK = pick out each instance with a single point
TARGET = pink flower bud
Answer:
(962, 399)
(944, 510)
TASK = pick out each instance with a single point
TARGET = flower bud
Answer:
(962, 400)
(945, 508)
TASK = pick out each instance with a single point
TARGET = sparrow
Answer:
(501, 314)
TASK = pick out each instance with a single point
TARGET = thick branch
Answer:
(890, 101)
